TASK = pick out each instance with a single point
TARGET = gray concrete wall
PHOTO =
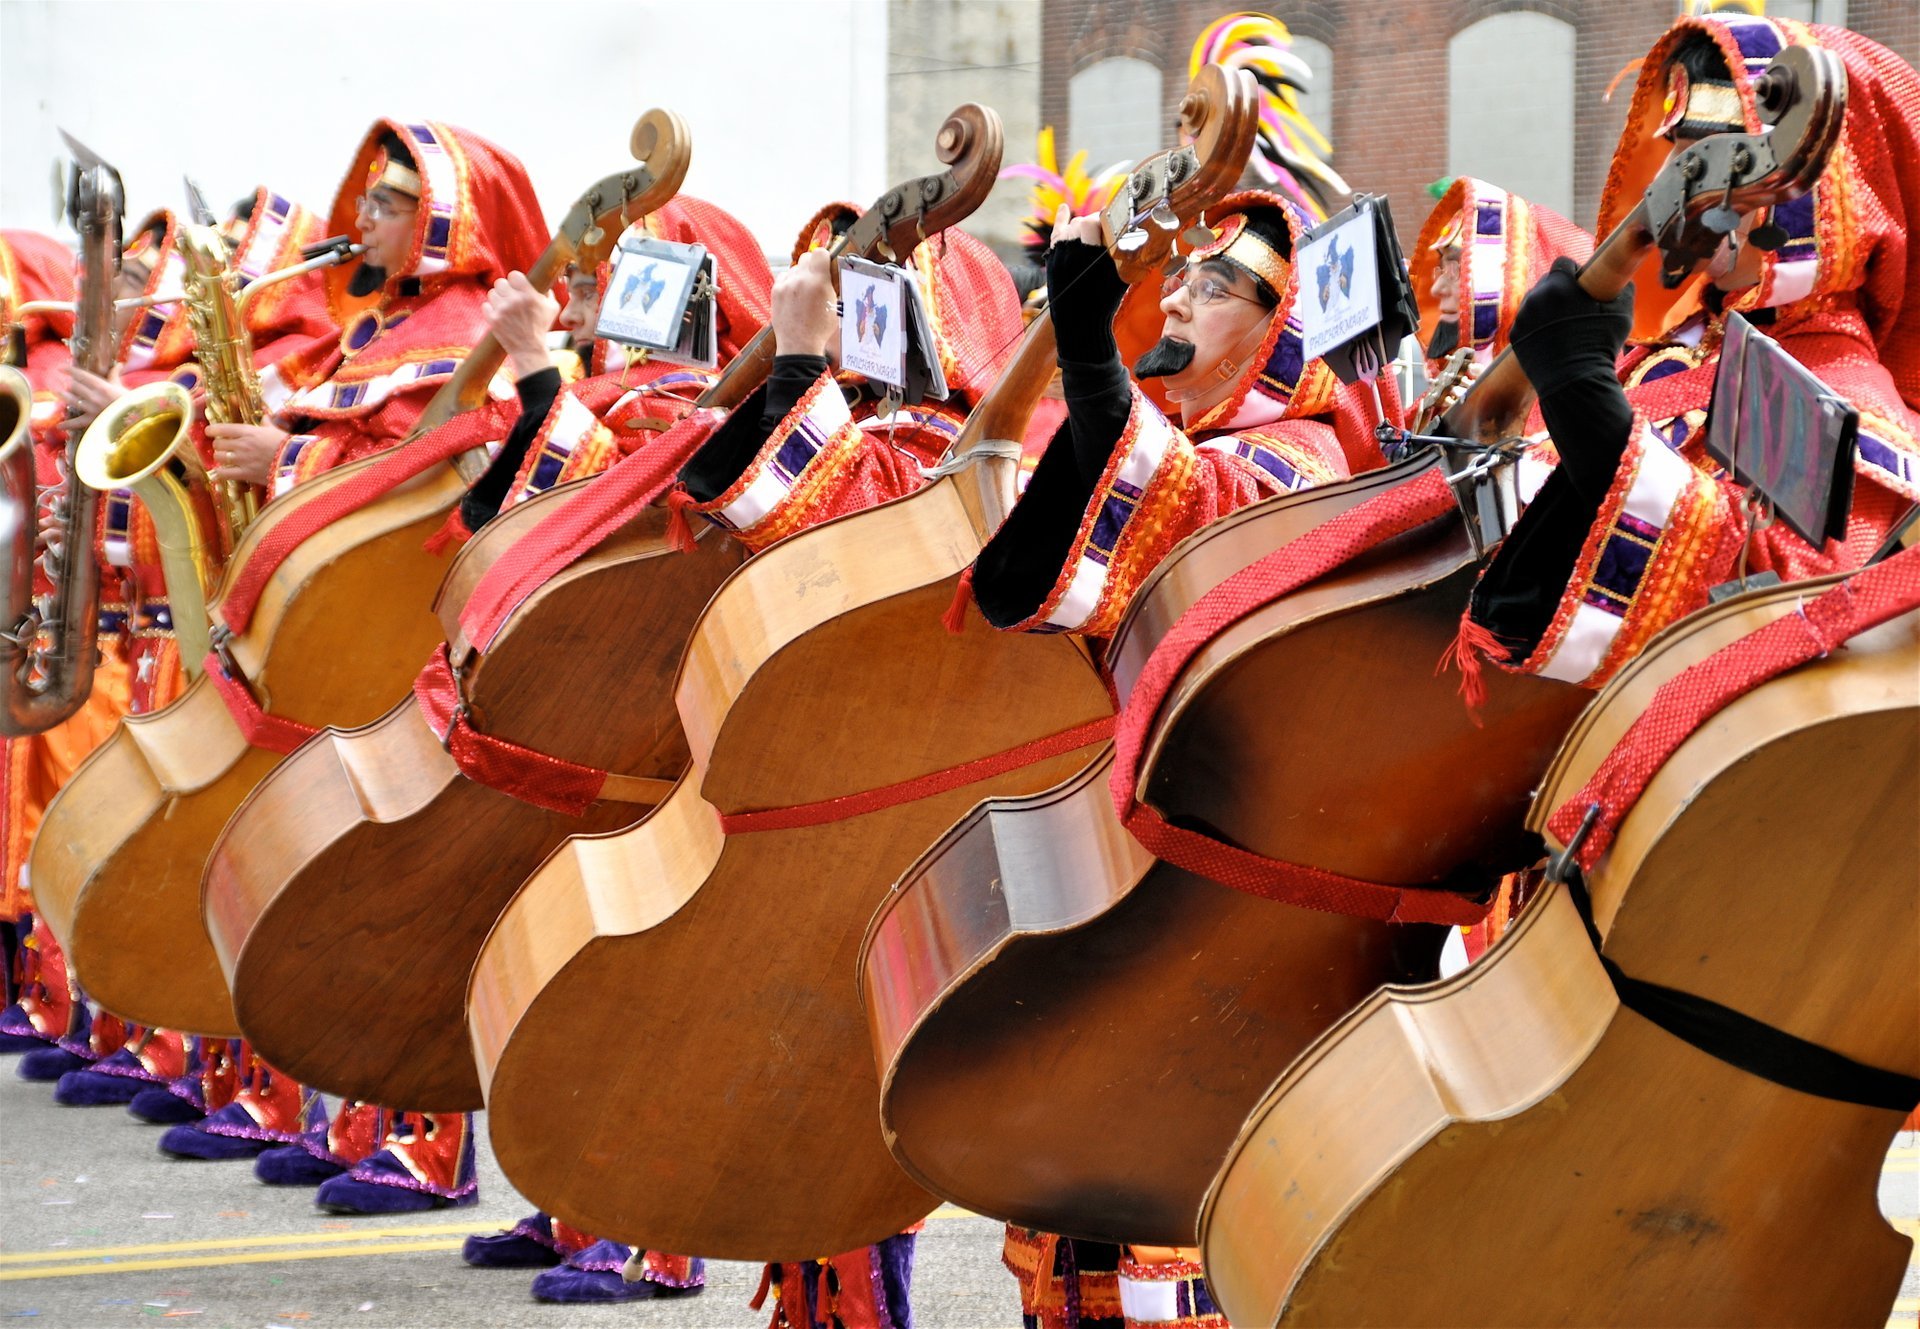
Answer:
(945, 52)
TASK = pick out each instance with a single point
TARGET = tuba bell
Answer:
(142, 443)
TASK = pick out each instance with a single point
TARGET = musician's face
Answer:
(385, 220)
(583, 308)
(1216, 311)
(1446, 285)
(130, 283)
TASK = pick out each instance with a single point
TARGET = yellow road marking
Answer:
(281, 1239)
(204, 1262)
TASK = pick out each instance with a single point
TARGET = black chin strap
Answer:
(1737, 1039)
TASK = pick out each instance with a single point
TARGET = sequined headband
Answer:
(1243, 245)
(1699, 108)
(1449, 235)
(384, 170)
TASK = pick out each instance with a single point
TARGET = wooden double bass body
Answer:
(1094, 994)
(1515, 1147)
(344, 624)
(363, 992)
(745, 1125)
(349, 893)
(1039, 959)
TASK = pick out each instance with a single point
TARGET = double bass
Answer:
(820, 681)
(1540, 1103)
(337, 631)
(582, 669)
(1039, 943)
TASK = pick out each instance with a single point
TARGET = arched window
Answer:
(1811, 11)
(1114, 112)
(1510, 106)
(1317, 101)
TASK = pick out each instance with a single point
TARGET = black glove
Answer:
(1084, 291)
(1569, 342)
(1562, 334)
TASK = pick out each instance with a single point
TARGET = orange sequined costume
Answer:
(1837, 294)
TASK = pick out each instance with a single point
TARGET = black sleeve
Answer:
(1569, 344)
(482, 502)
(1020, 562)
(1084, 291)
(723, 458)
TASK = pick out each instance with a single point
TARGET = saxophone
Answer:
(224, 348)
(50, 647)
(143, 442)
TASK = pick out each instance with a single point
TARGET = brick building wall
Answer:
(1390, 85)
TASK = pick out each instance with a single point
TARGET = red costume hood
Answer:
(1506, 245)
(1848, 235)
(478, 220)
(36, 267)
(157, 339)
(1842, 285)
(478, 215)
(288, 320)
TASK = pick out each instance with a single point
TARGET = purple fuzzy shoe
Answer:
(305, 1163)
(229, 1133)
(163, 1107)
(594, 1275)
(17, 1033)
(528, 1244)
(113, 1079)
(383, 1184)
(49, 1062)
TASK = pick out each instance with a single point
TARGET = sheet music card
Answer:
(660, 298)
(1354, 300)
(1782, 432)
(886, 334)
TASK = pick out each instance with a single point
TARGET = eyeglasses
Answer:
(1203, 288)
(376, 207)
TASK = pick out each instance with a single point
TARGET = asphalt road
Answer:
(97, 1228)
(205, 1246)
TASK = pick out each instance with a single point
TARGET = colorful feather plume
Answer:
(1081, 192)
(1290, 152)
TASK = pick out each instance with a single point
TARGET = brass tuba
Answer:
(142, 442)
(50, 649)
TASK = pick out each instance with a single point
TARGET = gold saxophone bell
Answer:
(142, 443)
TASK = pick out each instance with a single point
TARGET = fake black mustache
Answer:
(367, 279)
(1166, 356)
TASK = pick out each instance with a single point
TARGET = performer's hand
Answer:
(244, 453)
(1084, 290)
(88, 395)
(1561, 333)
(520, 318)
(806, 319)
(53, 516)
(1085, 229)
